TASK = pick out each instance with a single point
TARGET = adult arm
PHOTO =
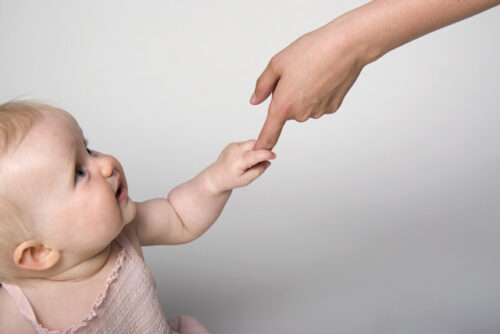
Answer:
(311, 76)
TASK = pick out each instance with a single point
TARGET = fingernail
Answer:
(253, 98)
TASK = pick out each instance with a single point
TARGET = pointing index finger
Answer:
(270, 132)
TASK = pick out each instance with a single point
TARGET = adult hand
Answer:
(311, 76)
(308, 79)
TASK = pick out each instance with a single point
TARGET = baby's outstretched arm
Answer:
(192, 207)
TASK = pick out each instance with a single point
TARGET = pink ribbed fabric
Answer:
(128, 304)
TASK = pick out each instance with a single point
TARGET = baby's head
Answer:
(60, 203)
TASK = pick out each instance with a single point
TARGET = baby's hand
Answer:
(238, 166)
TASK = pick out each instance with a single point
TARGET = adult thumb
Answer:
(265, 85)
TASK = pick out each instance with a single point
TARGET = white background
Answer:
(383, 218)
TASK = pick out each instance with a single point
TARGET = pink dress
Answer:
(128, 304)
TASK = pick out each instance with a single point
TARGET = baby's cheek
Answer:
(106, 216)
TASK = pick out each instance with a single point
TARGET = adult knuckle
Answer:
(303, 117)
(335, 107)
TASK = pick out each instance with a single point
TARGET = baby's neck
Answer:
(49, 296)
(82, 271)
(85, 269)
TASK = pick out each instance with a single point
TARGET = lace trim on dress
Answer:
(97, 303)
(102, 296)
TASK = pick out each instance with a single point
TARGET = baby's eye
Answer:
(79, 173)
(89, 151)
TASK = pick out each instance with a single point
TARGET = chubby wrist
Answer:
(209, 182)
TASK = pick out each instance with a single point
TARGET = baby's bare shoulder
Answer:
(11, 320)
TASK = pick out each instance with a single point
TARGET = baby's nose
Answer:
(106, 165)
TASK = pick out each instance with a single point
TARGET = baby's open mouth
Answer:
(121, 191)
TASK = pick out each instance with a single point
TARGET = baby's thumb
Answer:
(256, 171)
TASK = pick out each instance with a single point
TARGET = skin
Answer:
(78, 201)
(312, 76)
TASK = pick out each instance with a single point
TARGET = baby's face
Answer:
(77, 198)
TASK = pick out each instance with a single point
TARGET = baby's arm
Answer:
(192, 207)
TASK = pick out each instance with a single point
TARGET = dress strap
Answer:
(21, 302)
(127, 244)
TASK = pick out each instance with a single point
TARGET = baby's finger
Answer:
(256, 171)
(248, 145)
(252, 158)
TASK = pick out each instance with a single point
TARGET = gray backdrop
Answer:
(383, 218)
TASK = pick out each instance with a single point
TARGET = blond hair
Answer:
(16, 119)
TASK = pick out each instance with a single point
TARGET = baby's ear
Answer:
(34, 255)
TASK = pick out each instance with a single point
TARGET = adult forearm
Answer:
(383, 25)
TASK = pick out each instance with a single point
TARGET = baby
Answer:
(71, 238)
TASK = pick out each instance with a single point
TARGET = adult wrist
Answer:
(366, 35)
